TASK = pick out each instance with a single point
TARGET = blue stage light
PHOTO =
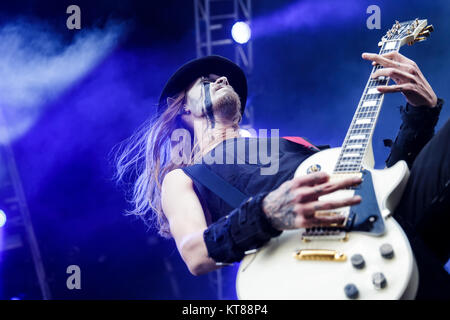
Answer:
(2, 218)
(241, 32)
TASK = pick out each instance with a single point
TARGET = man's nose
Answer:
(222, 80)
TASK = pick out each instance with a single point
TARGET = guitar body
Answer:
(273, 272)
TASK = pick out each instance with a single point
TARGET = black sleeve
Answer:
(246, 227)
(415, 131)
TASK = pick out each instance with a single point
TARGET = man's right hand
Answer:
(294, 203)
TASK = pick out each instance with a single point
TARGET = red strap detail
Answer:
(302, 142)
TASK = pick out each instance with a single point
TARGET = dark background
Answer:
(307, 81)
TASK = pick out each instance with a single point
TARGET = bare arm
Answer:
(187, 221)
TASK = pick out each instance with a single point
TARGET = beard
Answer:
(227, 107)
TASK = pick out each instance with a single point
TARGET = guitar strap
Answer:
(216, 184)
(223, 189)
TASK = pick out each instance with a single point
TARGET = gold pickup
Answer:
(320, 254)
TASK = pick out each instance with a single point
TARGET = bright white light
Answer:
(245, 133)
(2, 218)
(241, 32)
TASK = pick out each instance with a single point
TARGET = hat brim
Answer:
(196, 68)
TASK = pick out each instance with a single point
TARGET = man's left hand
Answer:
(407, 76)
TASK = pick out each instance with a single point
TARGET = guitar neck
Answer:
(359, 134)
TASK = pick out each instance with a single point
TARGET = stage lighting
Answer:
(2, 218)
(241, 32)
(447, 266)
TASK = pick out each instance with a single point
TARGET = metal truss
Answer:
(18, 232)
(213, 22)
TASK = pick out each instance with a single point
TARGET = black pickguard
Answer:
(366, 217)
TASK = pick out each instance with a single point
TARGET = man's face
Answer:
(212, 95)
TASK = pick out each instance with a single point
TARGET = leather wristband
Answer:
(245, 228)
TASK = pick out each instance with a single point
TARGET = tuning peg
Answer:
(429, 28)
(425, 33)
(419, 39)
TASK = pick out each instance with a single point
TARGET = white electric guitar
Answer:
(369, 256)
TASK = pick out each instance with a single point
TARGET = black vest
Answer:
(252, 165)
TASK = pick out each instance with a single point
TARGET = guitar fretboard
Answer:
(359, 135)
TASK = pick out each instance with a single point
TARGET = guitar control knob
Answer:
(358, 261)
(351, 291)
(379, 280)
(387, 251)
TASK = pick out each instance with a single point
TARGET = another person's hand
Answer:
(294, 203)
(407, 76)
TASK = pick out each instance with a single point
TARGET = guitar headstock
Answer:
(408, 32)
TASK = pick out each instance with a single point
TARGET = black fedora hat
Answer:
(196, 68)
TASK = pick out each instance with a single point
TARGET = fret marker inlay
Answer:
(373, 91)
(364, 121)
(370, 103)
(354, 146)
(358, 137)
(351, 155)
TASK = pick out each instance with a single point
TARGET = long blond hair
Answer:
(145, 157)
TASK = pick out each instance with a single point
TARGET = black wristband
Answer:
(245, 228)
(421, 117)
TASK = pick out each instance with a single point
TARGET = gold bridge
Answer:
(320, 254)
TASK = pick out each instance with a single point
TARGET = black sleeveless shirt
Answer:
(252, 165)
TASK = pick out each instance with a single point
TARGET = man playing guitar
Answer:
(206, 97)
